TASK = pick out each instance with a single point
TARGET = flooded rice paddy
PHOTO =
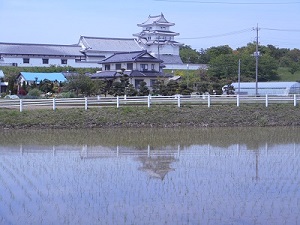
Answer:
(156, 176)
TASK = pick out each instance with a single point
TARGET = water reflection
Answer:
(210, 176)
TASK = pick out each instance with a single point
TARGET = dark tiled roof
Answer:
(110, 44)
(105, 74)
(136, 73)
(171, 59)
(157, 32)
(131, 57)
(133, 73)
(160, 19)
(39, 49)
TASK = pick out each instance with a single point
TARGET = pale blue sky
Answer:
(63, 21)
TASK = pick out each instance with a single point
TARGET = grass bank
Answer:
(156, 116)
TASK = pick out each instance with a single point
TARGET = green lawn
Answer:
(285, 75)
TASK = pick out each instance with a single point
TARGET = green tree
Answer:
(46, 86)
(158, 87)
(184, 89)
(99, 87)
(294, 67)
(131, 91)
(80, 84)
(215, 52)
(224, 67)
(189, 55)
(267, 68)
(143, 90)
(172, 88)
(117, 89)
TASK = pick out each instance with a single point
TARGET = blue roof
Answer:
(28, 76)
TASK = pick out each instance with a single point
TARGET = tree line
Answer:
(222, 64)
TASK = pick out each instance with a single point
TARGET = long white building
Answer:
(155, 37)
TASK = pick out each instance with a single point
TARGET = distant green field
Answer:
(285, 75)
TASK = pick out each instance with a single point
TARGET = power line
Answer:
(230, 3)
(284, 30)
(239, 32)
(219, 35)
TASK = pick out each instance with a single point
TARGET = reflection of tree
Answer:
(157, 166)
(252, 137)
(256, 178)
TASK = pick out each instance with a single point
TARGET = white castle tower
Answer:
(157, 38)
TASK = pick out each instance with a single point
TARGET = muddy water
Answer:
(157, 176)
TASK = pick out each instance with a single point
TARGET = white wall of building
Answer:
(38, 62)
(163, 49)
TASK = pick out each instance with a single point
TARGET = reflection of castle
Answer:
(157, 166)
(155, 162)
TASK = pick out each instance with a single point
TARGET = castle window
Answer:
(64, 61)
(26, 60)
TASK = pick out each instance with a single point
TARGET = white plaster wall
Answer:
(164, 49)
(38, 62)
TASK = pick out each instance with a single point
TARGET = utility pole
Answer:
(239, 77)
(256, 63)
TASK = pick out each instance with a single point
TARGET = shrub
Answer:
(34, 92)
(66, 95)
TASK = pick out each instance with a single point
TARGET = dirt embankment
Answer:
(156, 116)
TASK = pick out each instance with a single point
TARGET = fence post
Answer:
(85, 103)
(98, 97)
(238, 100)
(295, 100)
(208, 100)
(178, 101)
(53, 104)
(21, 105)
(267, 100)
(118, 102)
(149, 102)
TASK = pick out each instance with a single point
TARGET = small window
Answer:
(64, 61)
(118, 66)
(144, 67)
(45, 61)
(107, 67)
(152, 67)
(130, 66)
(26, 60)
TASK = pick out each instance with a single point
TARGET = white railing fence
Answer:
(179, 100)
